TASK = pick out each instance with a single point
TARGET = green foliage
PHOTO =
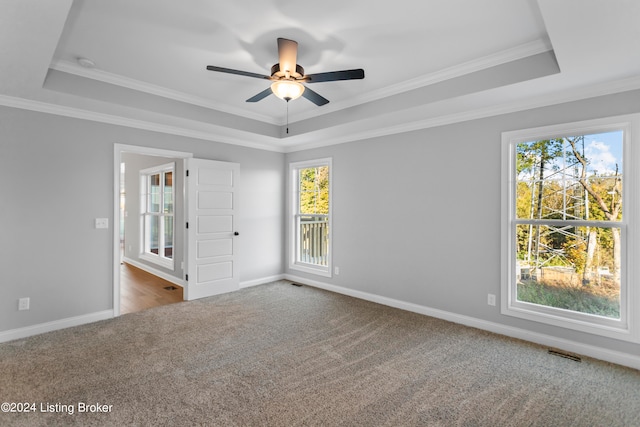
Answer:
(523, 200)
(314, 190)
(569, 298)
(604, 186)
(576, 251)
(532, 154)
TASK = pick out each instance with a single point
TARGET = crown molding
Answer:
(292, 144)
(577, 94)
(217, 133)
(513, 54)
(118, 80)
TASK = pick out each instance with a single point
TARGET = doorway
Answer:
(206, 197)
(141, 290)
(140, 283)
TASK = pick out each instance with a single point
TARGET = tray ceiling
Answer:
(426, 62)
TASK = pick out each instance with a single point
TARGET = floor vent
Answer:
(565, 355)
(296, 284)
(170, 288)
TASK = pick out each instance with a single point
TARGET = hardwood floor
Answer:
(140, 290)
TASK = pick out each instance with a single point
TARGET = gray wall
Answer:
(57, 176)
(402, 204)
(416, 216)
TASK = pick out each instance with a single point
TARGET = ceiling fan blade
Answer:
(288, 55)
(314, 97)
(261, 95)
(332, 76)
(238, 72)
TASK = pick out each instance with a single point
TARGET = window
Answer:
(311, 217)
(157, 214)
(568, 221)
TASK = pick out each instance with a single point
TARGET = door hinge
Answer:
(187, 172)
(187, 225)
(186, 277)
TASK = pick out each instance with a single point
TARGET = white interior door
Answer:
(212, 231)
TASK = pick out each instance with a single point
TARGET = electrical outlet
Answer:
(102, 222)
(23, 304)
(336, 270)
(491, 299)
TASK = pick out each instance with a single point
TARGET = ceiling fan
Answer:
(287, 76)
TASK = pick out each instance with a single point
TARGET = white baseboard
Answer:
(41, 328)
(55, 325)
(262, 281)
(155, 272)
(625, 359)
(612, 356)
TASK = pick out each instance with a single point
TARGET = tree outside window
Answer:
(311, 216)
(568, 191)
(569, 227)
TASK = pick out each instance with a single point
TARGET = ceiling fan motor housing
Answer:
(275, 72)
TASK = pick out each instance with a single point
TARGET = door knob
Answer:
(235, 233)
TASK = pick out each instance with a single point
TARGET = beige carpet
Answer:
(281, 355)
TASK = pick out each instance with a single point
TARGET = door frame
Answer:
(118, 149)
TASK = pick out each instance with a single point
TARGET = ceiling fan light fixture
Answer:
(287, 89)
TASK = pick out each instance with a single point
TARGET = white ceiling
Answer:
(426, 62)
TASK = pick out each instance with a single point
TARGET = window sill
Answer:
(311, 269)
(162, 262)
(610, 328)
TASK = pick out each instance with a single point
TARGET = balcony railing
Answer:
(314, 239)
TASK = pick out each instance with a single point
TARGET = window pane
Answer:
(153, 231)
(168, 192)
(314, 190)
(157, 194)
(154, 193)
(168, 237)
(314, 240)
(573, 268)
(570, 178)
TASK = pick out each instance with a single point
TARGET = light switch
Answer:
(102, 222)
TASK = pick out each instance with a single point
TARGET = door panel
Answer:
(216, 177)
(214, 272)
(215, 248)
(212, 213)
(214, 223)
(215, 200)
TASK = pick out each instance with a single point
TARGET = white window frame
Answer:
(159, 258)
(627, 328)
(294, 241)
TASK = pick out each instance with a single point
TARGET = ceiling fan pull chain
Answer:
(287, 117)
